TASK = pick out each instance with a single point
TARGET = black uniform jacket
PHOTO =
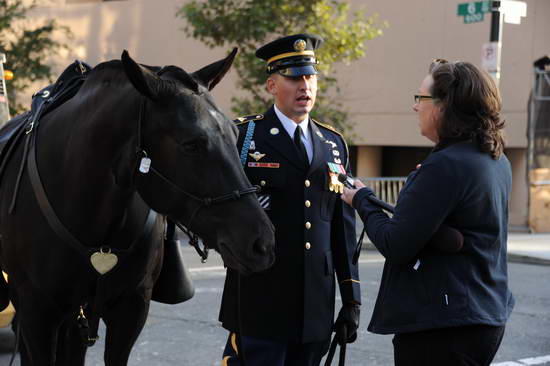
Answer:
(314, 233)
(423, 288)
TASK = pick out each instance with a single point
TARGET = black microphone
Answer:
(446, 238)
(349, 182)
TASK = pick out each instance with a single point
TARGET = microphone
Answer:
(446, 238)
(349, 182)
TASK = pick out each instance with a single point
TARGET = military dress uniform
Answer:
(293, 301)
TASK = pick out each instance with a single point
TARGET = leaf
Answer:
(249, 24)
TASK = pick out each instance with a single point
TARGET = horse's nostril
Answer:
(260, 248)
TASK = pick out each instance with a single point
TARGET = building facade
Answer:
(377, 90)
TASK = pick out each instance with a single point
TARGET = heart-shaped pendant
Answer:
(103, 261)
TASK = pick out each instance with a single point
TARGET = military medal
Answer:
(335, 152)
(334, 185)
(103, 261)
(337, 160)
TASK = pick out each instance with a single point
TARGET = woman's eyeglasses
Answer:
(418, 98)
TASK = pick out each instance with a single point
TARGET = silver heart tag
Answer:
(103, 261)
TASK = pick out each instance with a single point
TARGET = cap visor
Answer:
(298, 71)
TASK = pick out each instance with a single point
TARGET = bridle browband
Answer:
(203, 201)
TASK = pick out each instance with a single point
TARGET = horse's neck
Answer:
(77, 159)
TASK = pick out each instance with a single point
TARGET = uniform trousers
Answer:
(474, 345)
(261, 352)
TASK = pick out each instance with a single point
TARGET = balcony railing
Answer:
(385, 188)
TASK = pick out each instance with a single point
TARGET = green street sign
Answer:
(474, 12)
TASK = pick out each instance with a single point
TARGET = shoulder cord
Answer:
(247, 141)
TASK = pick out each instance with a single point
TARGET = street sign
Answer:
(474, 12)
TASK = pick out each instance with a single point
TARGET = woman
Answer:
(447, 309)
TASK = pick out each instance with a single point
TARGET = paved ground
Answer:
(189, 333)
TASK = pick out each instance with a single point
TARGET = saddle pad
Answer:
(65, 87)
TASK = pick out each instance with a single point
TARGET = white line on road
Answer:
(207, 269)
(221, 268)
(525, 361)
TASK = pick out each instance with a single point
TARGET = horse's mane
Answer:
(114, 70)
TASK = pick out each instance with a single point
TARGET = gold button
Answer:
(308, 203)
(308, 225)
(262, 183)
(307, 183)
(308, 245)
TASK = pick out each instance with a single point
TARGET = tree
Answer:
(26, 48)
(251, 23)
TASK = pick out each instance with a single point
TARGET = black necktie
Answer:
(300, 145)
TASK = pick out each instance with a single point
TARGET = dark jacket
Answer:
(422, 288)
(294, 300)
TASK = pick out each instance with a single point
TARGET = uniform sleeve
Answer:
(421, 208)
(343, 241)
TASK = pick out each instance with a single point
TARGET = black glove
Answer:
(347, 323)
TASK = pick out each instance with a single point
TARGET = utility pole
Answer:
(496, 38)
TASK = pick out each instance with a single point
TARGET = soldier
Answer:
(285, 315)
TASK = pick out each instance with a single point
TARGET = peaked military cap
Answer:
(292, 55)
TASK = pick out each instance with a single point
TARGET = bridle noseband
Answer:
(145, 161)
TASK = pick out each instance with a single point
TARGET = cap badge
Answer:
(299, 45)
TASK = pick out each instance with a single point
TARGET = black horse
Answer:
(83, 204)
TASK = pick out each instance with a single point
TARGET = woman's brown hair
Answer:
(470, 105)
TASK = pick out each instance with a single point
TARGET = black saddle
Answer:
(44, 101)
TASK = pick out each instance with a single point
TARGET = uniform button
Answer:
(308, 203)
(262, 183)
(308, 225)
(308, 245)
(307, 183)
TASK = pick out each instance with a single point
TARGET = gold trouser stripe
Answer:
(350, 280)
(224, 361)
(290, 54)
(234, 343)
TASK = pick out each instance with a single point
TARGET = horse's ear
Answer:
(145, 81)
(211, 75)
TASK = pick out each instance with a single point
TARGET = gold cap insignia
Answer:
(299, 45)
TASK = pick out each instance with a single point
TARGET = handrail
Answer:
(385, 188)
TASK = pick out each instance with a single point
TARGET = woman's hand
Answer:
(349, 193)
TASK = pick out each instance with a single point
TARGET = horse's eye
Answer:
(191, 147)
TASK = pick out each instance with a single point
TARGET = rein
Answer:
(144, 168)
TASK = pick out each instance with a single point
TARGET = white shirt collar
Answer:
(290, 125)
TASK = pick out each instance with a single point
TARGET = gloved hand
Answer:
(347, 323)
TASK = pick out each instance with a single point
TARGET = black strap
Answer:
(99, 299)
(47, 210)
(332, 351)
(55, 223)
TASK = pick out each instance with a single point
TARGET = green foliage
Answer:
(26, 49)
(252, 23)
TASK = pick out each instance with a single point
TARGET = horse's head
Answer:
(195, 167)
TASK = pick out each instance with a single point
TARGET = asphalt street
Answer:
(189, 333)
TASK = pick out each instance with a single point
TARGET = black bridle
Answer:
(202, 201)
